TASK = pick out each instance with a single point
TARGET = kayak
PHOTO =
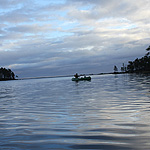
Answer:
(81, 79)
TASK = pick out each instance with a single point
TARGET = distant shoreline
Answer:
(90, 74)
(59, 76)
(26, 78)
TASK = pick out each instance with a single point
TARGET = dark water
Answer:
(112, 112)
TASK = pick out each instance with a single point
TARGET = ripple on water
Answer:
(110, 112)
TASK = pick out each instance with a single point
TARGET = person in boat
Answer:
(76, 75)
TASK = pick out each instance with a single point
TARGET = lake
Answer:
(111, 112)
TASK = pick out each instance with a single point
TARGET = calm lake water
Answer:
(112, 112)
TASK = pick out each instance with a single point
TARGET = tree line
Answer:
(138, 65)
(6, 74)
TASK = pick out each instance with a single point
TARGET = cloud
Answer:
(34, 28)
(48, 38)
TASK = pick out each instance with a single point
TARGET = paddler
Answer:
(76, 75)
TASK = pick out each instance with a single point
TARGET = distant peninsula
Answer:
(6, 74)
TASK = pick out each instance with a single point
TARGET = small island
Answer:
(6, 74)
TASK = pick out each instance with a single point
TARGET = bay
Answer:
(109, 112)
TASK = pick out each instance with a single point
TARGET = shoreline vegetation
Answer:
(138, 66)
(6, 74)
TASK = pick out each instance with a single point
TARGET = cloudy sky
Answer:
(61, 37)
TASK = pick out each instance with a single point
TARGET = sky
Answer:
(62, 37)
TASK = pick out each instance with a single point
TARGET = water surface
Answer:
(110, 112)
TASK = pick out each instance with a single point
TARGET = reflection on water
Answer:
(110, 112)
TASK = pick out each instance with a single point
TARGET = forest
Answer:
(6, 74)
(139, 65)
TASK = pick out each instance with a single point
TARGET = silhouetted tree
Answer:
(12, 75)
(115, 69)
(6, 74)
(123, 68)
(148, 49)
(140, 64)
(130, 67)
